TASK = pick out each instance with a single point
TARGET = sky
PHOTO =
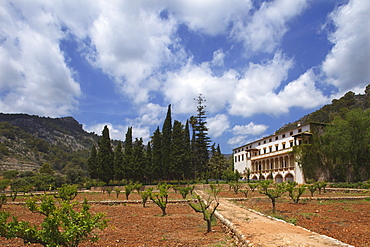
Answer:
(258, 64)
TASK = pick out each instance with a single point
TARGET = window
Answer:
(264, 150)
(283, 136)
(276, 147)
(264, 141)
(270, 149)
(291, 133)
(276, 138)
(284, 145)
(242, 157)
(291, 143)
(236, 159)
(299, 130)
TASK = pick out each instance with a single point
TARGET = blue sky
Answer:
(259, 64)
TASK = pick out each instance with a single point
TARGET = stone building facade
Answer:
(273, 156)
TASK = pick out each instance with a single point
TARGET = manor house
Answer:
(272, 156)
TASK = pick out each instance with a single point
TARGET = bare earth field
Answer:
(133, 225)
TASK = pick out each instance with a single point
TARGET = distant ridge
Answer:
(340, 107)
(28, 141)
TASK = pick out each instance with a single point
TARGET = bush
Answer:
(161, 198)
(62, 224)
(67, 192)
(11, 174)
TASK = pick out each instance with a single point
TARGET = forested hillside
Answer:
(27, 142)
(338, 107)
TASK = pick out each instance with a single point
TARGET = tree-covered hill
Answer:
(27, 142)
(338, 107)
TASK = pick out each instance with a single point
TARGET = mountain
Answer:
(28, 141)
(340, 107)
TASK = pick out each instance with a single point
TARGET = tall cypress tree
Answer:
(193, 122)
(138, 159)
(177, 151)
(157, 155)
(92, 163)
(148, 170)
(118, 162)
(127, 156)
(202, 140)
(188, 168)
(105, 157)
(166, 144)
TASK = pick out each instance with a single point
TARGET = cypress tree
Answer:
(166, 144)
(118, 162)
(177, 151)
(148, 171)
(188, 168)
(105, 157)
(138, 161)
(127, 156)
(92, 163)
(157, 155)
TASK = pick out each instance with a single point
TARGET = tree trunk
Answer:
(209, 225)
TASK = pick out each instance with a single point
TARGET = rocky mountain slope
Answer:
(26, 142)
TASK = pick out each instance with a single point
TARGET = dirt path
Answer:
(260, 230)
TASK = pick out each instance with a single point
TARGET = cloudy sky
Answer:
(259, 64)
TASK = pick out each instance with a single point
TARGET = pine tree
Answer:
(92, 163)
(118, 162)
(201, 142)
(166, 144)
(157, 155)
(105, 157)
(127, 156)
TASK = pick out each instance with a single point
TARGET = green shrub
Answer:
(63, 225)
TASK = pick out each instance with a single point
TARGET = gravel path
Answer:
(255, 229)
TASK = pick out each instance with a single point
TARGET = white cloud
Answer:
(118, 132)
(183, 86)
(255, 91)
(217, 125)
(268, 25)
(249, 129)
(211, 17)
(130, 42)
(347, 66)
(34, 77)
(242, 132)
(302, 93)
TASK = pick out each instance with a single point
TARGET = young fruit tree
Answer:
(273, 192)
(63, 224)
(295, 191)
(161, 198)
(208, 206)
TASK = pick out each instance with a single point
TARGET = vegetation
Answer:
(273, 191)
(208, 206)
(339, 147)
(161, 198)
(145, 195)
(295, 190)
(63, 224)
